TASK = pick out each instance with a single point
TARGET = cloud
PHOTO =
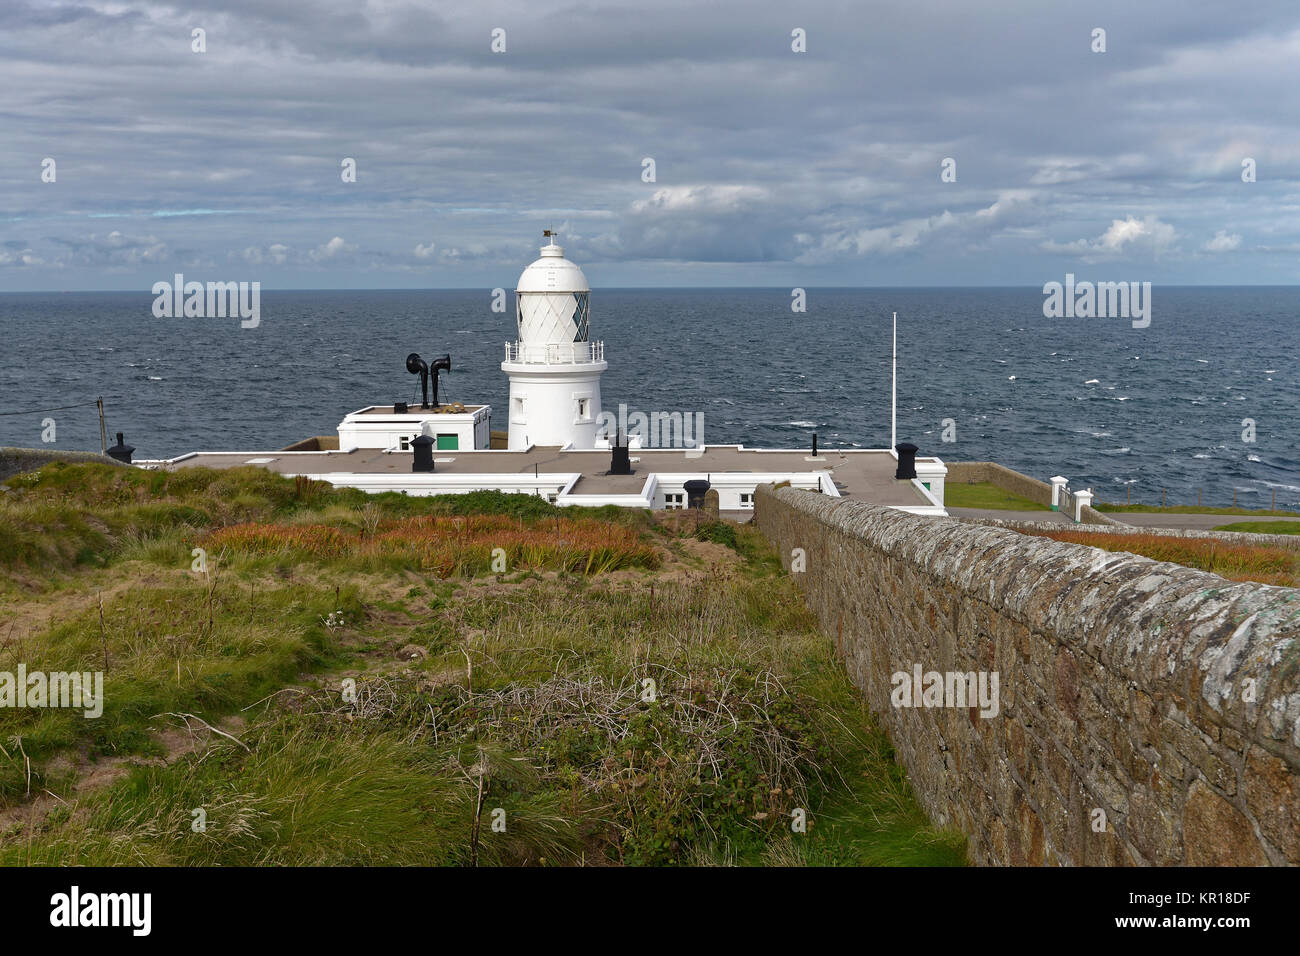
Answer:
(116, 250)
(814, 166)
(1222, 242)
(334, 248)
(970, 226)
(18, 258)
(1122, 237)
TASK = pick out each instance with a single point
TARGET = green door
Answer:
(448, 442)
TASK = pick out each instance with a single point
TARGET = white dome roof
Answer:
(552, 273)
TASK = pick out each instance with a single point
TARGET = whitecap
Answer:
(1092, 381)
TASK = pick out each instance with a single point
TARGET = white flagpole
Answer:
(893, 392)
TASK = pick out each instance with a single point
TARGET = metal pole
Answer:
(893, 391)
(103, 433)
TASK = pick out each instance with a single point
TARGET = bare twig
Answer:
(188, 717)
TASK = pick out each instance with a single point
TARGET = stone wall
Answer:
(1165, 698)
(15, 461)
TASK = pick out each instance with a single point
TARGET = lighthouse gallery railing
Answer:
(561, 353)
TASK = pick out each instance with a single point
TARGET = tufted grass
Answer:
(522, 693)
(1236, 562)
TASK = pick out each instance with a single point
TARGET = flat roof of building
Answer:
(863, 474)
(415, 411)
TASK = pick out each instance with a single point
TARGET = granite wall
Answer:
(1146, 713)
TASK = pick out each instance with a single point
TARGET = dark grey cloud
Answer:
(772, 166)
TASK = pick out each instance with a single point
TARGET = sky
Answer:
(771, 166)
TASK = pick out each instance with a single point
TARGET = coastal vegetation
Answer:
(1263, 527)
(1228, 559)
(295, 674)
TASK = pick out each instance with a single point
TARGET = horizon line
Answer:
(642, 288)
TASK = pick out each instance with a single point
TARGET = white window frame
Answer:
(579, 398)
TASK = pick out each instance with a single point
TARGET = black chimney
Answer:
(695, 491)
(620, 461)
(906, 460)
(121, 451)
(422, 446)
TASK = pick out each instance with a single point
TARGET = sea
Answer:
(1202, 401)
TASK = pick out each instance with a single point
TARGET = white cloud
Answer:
(1122, 237)
(1222, 242)
(334, 248)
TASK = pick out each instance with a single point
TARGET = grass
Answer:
(1236, 562)
(983, 494)
(478, 544)
(622, 691)
(1263, 527)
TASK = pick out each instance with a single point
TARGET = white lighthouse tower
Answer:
(554, 368)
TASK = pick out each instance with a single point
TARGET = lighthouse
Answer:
(553, 365)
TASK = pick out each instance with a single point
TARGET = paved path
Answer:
(1140, 519)
(1192, 522)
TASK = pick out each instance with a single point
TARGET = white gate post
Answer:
(1058, 485)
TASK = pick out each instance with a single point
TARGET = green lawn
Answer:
(983, 494)
(1263, 527)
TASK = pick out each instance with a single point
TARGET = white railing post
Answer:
(1058, 487)
(1082, 499)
